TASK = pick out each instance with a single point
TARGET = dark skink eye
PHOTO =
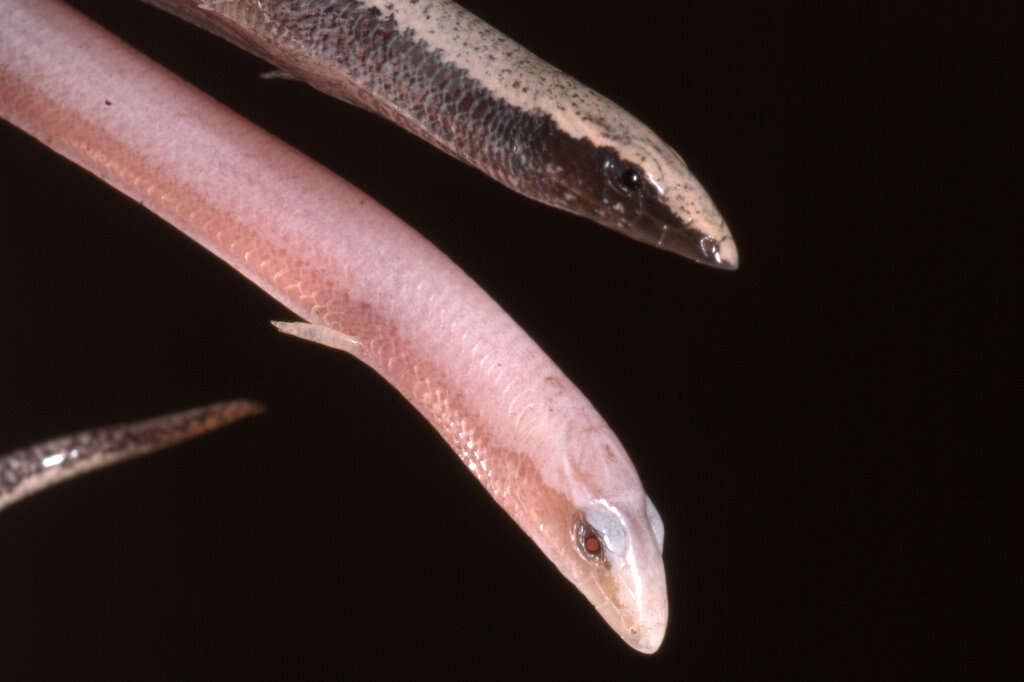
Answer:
(624, 177)
(629, 179)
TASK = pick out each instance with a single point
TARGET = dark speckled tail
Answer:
(40, 466)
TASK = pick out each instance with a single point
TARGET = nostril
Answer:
(709, 247)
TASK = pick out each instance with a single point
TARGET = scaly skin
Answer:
(368, 283)
(37, 467)
(444, 75)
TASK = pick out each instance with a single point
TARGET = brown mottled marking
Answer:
(445, 75)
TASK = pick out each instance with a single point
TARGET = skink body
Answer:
(445, 75)
(368, 284)
(32, 469)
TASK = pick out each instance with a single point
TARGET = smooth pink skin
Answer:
(341, 261)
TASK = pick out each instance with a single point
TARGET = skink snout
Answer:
(693, 243)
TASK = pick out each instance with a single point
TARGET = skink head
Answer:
(620, 569)
(640, 187)
(600, 162)
(596, 523)
(653, 198)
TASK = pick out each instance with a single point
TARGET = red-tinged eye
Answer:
(588, 541)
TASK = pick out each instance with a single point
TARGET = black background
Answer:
(800, 423)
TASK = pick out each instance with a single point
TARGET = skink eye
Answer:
(589, 542)
(626, 178)
(629, 178)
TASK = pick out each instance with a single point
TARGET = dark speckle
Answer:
(107, 102)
